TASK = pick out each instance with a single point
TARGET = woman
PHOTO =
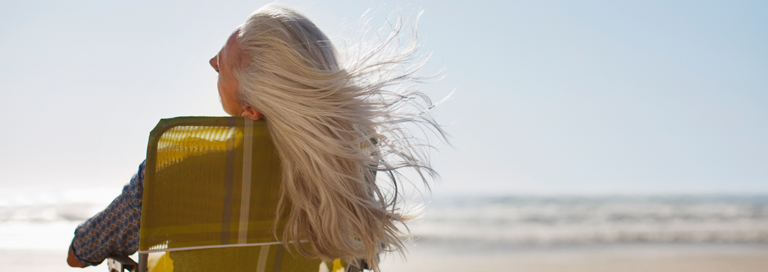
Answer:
(334, 127)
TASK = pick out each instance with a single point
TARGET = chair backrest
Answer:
(211, 190)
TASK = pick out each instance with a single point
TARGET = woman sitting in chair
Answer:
(334, 126)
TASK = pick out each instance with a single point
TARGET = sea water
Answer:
(47, 218)
(588, 220)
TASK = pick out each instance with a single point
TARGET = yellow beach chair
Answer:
(211, 190)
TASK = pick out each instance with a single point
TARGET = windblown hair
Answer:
(334, 127)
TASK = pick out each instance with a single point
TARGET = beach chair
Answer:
(210, 197)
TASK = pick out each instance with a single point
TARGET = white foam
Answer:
(28, 235)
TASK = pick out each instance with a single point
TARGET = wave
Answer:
(52, 205)
(584, 220)
(509, 220)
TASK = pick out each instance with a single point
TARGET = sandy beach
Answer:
(594, 258)
(425, 256)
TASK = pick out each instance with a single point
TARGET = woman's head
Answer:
(275, 47)
(285, 58)
(225, 63)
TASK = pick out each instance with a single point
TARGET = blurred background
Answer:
(585, 136)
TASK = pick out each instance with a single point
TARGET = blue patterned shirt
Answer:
(114, 231)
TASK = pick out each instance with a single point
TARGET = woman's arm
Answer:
(112, 231)
(72, 261)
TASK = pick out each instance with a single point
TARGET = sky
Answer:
(549, 97)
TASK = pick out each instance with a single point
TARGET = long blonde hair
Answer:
(334, 127)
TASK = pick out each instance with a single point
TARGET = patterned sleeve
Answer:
(114, 231)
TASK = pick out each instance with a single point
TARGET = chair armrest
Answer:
(118, 263)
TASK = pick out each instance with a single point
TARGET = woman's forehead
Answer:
(229, 53)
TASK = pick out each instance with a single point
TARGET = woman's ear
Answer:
(251, 113)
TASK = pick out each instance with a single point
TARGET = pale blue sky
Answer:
(551, 97)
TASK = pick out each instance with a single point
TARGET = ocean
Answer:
(35, 218)
(549, 220)
(528, 233)
(41, 218)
